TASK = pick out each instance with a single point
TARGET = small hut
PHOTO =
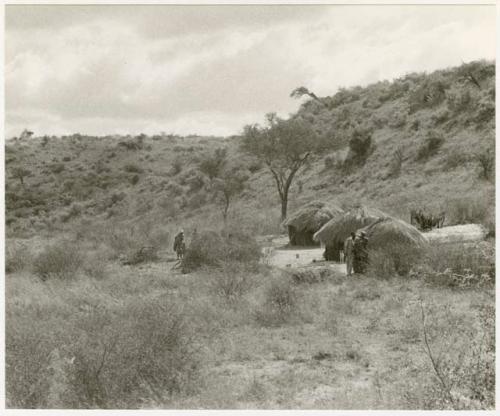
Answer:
(391, 231)
(306, 221)
(334, 232)
(394, 243)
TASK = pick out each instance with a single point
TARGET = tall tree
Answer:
(284, 146)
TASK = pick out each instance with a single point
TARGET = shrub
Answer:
(430, 146)
(230, 281)
(361, 146)
(17, 258)
(133, 168)
(176, 167)
(468, 210)
(455, 159)
(143, 352)
(398, 119)
(458, 101)
(211, 248)
(486, 162)
(485, 111)
(393, 259)
(280, 303)
(462, 363)
(396, 162)
(57, 167)
(61, 260)
(134, 179)
(459, 265)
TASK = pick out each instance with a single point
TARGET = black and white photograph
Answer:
(249, 206)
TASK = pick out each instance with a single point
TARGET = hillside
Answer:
(428, 132)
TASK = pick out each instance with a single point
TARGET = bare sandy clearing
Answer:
(457, 234)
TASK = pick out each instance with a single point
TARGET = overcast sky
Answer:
(211, 69)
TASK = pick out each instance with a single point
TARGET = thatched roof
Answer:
(312, 216)
(393, 231)
(338, 229)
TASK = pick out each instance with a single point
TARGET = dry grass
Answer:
(140, 337)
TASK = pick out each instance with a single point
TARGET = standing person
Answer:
(179, 245)
(363, 251)
(349, 252)
(356, 254)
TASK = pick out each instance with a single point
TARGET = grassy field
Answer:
(245, 336)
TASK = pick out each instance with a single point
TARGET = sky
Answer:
(209, 70)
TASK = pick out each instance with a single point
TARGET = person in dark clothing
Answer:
(179, 245)
(360, 253)
(363, 252)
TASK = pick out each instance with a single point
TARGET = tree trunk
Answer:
(284, 204)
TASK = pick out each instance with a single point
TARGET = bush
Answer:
(61, 260)
(57, 167)
(398, 119)
(17, 258)
(210, 248)
(430, 146)
(468, 210)
(361, 146)
(142, 354)
(455, 159)
(230, 281)
(393, 259)
(280, 303)
(459, 265)
(134, 180)
(486, 162)
(396, 162)
(133, 168)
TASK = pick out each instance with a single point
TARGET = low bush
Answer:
(392, 260)
(140, 354)
(211, 248)
(60, 260)
(17, 258)
(430, 146)
(468, 210)
(230, 281)
(461, 362)
(396, 162)
(459, 265)
(280, 304)
(486, 163)
(455, 159)
(133, 168)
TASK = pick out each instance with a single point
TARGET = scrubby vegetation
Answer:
(99, 314)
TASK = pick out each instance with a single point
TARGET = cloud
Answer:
(211, 69)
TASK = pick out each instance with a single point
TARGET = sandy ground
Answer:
(457, 234)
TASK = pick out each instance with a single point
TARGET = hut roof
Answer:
(338, 229)
(313, 215)
(393, 231)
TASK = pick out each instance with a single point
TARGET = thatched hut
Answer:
(394, 246)
(334, 232)
(391, 231)
(306, 221)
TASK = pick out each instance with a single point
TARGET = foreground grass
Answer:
(148, 337)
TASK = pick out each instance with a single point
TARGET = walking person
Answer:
(349, 253)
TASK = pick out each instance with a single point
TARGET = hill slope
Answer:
(427, 130)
